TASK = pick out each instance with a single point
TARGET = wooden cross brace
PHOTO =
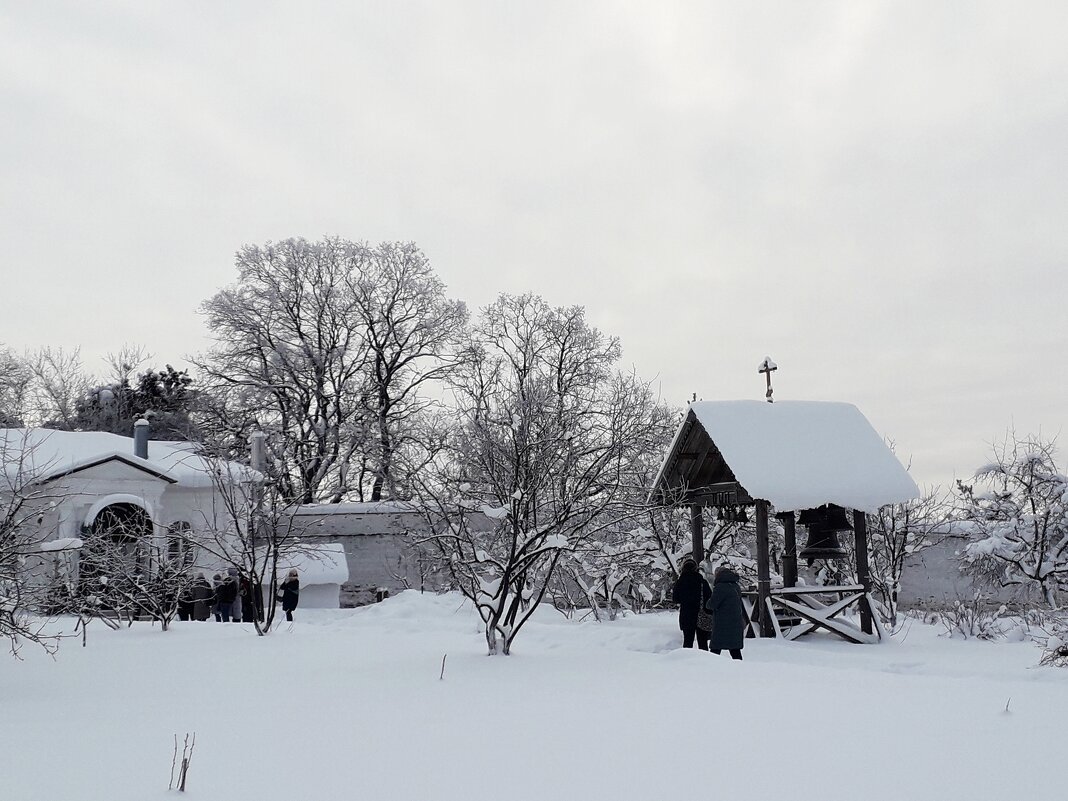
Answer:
(818, 615)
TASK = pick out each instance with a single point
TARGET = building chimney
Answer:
(258, 456)
(141, 438)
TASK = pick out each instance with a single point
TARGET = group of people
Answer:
(233, 598)
(714, 616)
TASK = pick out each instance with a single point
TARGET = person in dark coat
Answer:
(225, 593)
(728, 614)
(203, 598)
(186, 601)
(690, 593)
(251, 600)
(290, 593)
(235, 610)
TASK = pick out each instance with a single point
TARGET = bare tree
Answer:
(1016, 510)
(336, 347)
(59, 382)
(107, 403)
(15, 378)
(412, 333)
(123, 364)
(899, 531)
(546, 436)
(24, 501)
(290, 356)
(634, 564)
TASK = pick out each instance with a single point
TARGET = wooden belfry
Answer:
(782, 458)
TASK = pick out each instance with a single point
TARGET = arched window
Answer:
(116, 550)
(180, 547)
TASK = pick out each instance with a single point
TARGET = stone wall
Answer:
(932, 580)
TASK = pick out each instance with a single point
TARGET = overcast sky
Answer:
(873, 194)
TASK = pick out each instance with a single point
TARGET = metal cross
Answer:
(767, 367)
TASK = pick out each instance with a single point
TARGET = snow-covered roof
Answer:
(40, 453)
(797, 454)
(354, 508)
(317, 563)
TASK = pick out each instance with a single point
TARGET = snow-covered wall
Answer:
(320, 596)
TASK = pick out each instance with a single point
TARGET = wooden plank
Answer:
(722, 493)
(800, 630)
(752, 627)
(880, 632)
(828, 609)
(836, 588)
(846, 631)
(774, 619)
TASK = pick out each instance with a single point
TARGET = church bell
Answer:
(823, 525)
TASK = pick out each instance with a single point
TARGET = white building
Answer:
(160, 495)
(89, 471)
(78, 477)
(147, 497)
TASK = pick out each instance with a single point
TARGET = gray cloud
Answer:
(872, 193)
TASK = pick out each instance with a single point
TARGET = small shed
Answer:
(321, 568)
(783, 458)
(375, 539)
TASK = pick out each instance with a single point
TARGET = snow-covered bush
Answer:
(1055, 653)
(973, 618)
(635, 568)
(1016, 511)
(1049, 630)
(629, 567)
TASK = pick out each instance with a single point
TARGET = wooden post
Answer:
(697, 533)
(860, 531)
(789, 554)
(763, 570)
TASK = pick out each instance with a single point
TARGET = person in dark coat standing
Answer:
(186, 601)
(251, 600)
(690, 593)
(290, 593)
(728, 614)
(203, 598)
(235, 609)
(225, 593)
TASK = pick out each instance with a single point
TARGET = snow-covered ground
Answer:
(348, 705)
